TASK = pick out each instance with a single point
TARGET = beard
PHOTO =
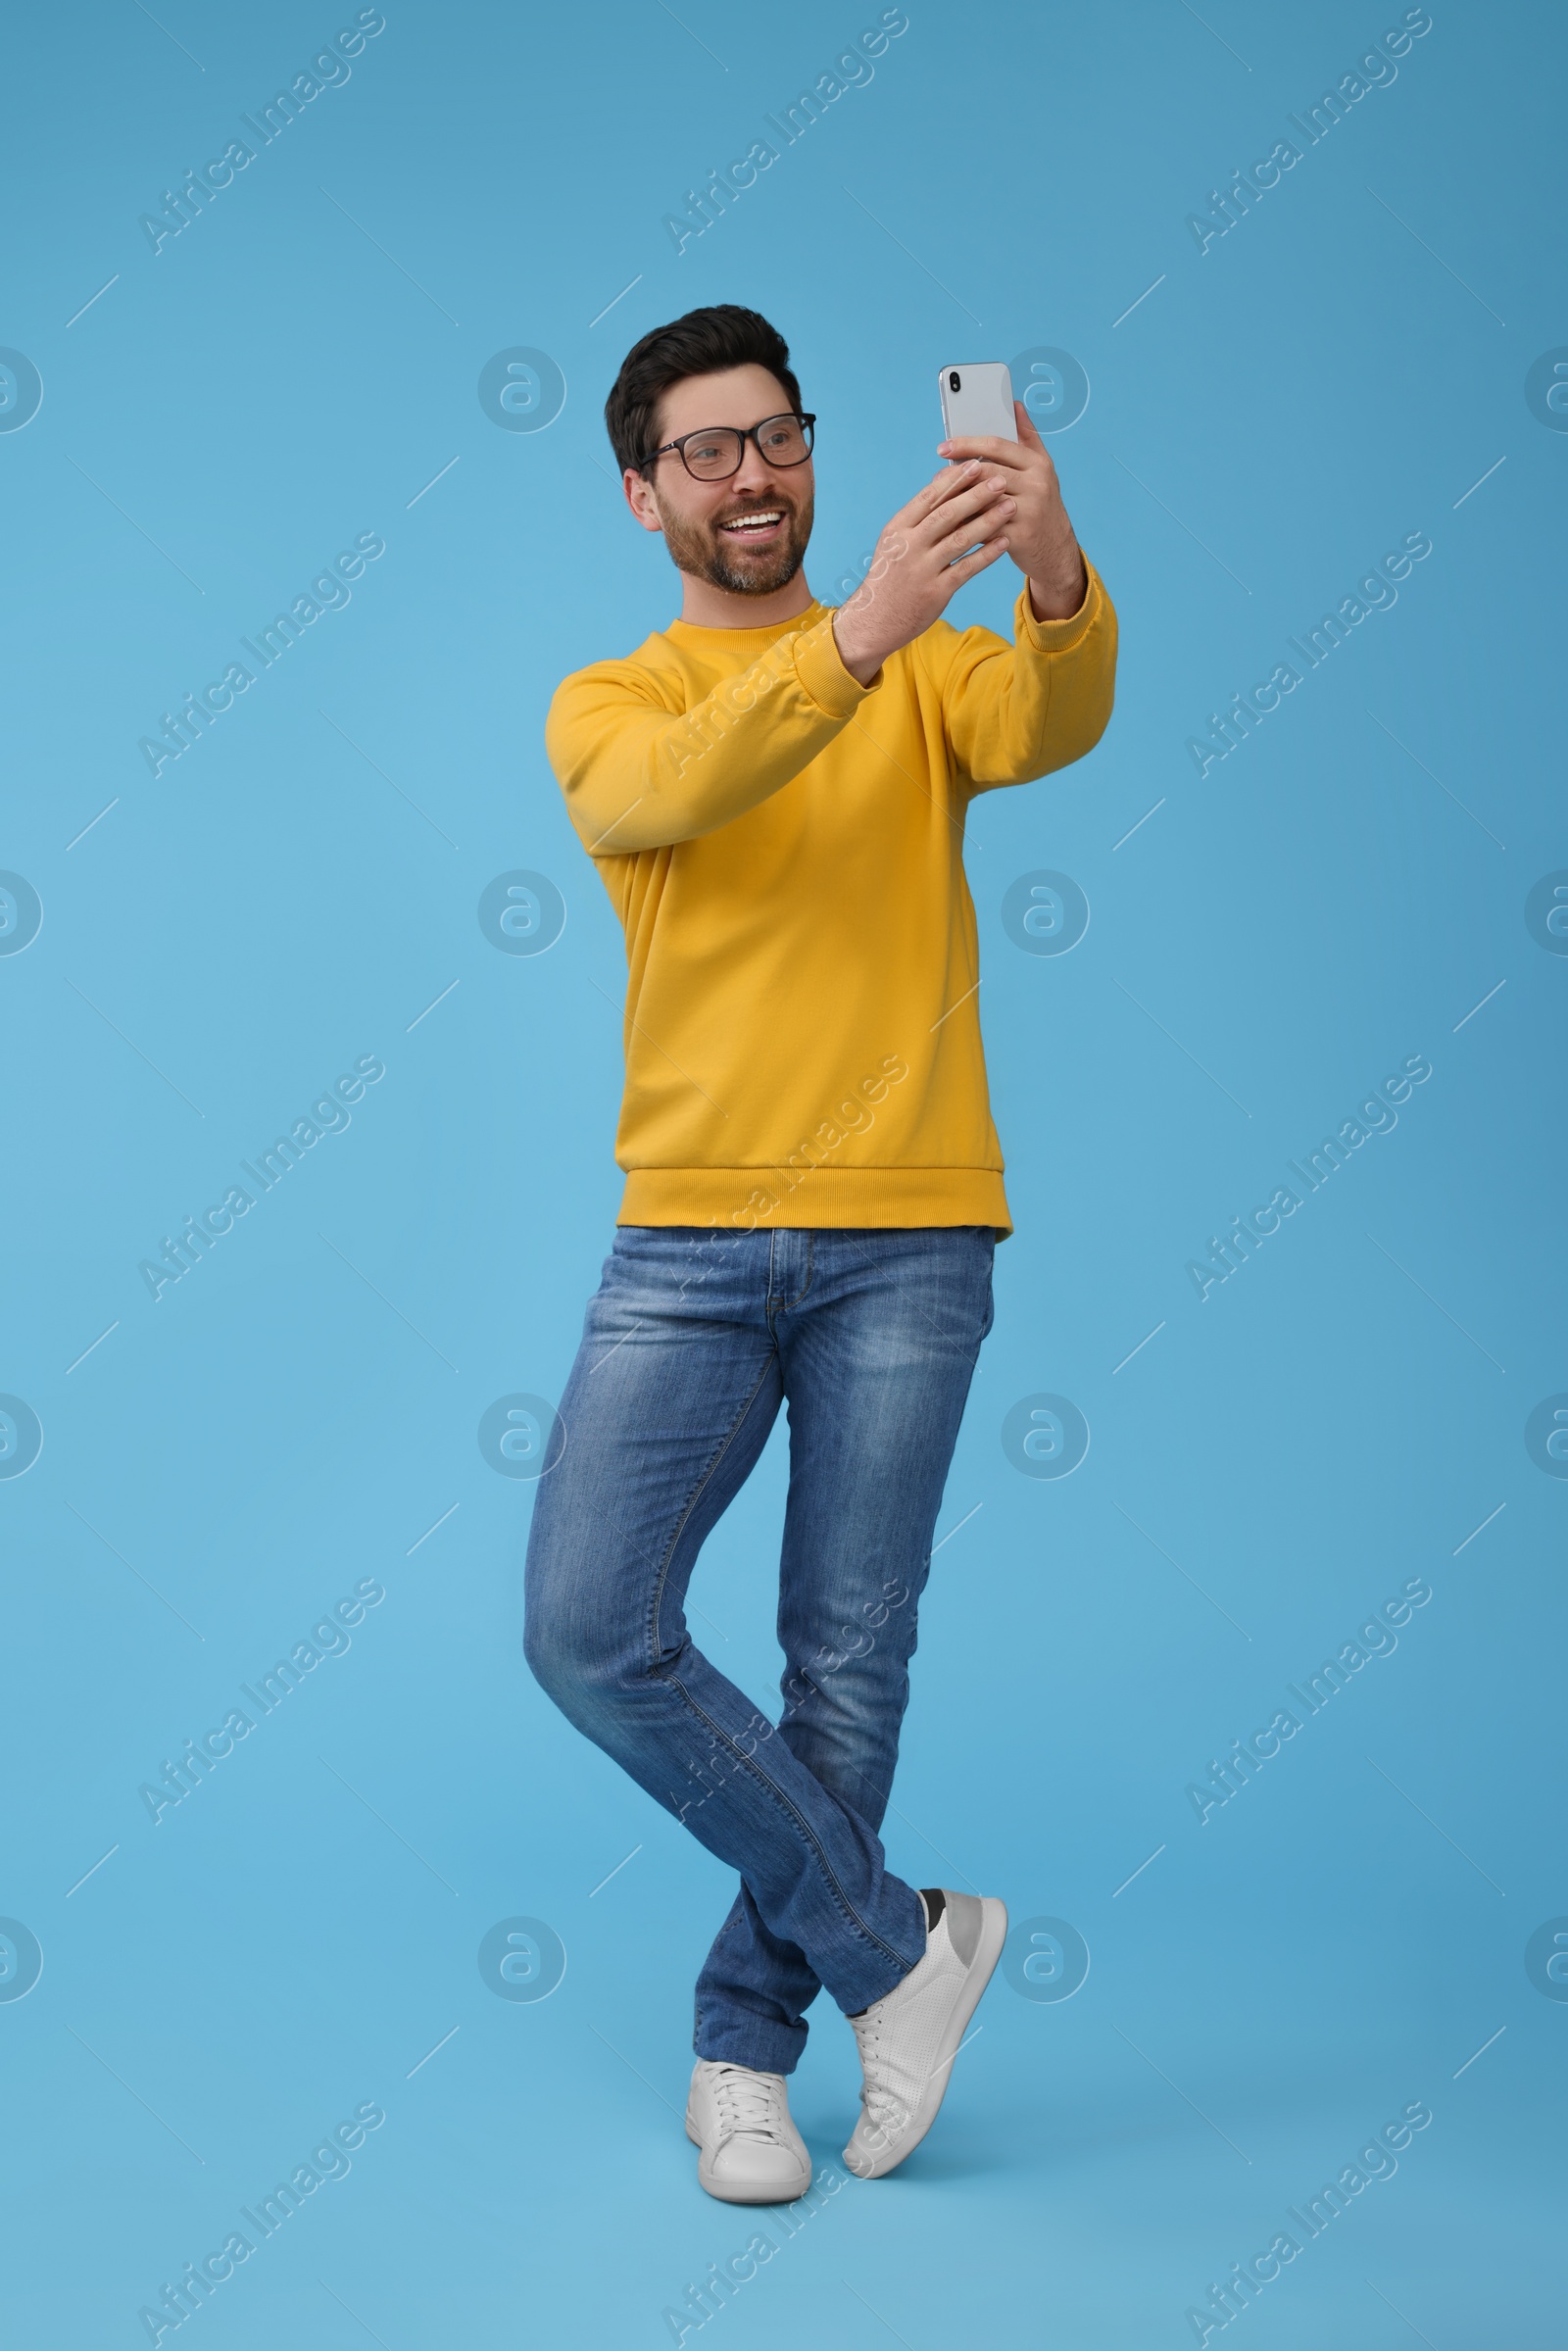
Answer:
(702, 549)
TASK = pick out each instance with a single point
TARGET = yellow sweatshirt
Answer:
(784, 848)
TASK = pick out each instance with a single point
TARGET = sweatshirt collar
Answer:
(688, 632)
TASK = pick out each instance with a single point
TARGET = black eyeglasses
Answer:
(717, 452)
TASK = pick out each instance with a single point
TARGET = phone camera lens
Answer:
(953, 379)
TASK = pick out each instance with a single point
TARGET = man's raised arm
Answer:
(639, 775)
(1014, 713)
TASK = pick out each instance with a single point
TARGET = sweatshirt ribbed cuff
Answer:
(1060, 636)
(821, 671)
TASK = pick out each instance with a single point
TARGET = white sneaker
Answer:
(750, 2151)
(910, 2037)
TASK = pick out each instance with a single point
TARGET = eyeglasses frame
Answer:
(804, 418)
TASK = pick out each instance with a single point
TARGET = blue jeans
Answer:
(695, 1338)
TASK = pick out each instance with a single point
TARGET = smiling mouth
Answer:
(753, 526)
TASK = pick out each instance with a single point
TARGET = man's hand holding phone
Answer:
(1039, 536)
(1003, 493)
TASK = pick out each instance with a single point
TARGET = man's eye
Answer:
(702, 451)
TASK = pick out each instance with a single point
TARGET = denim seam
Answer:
(674, 1681)
(787, 1305)
(790, 1304)
(696, 1496)
(771, 1787)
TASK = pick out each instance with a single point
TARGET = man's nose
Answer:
(756, 474)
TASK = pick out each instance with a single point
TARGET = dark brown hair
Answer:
(701, 343)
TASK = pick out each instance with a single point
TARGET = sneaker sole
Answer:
(993, 1935)
(741, 2191)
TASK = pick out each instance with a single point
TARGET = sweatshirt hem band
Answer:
(745, 1197)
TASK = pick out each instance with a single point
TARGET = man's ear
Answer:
(640, 498)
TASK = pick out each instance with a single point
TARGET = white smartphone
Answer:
(977, 399)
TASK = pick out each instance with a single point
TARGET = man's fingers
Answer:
(970, 565)
(965, 527)
(990, 449)
(1027, 434)
(951, 482)
(979, 527)
(965, 507)
(943, 485)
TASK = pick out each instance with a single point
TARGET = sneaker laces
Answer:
(884, 2111)
(747, 2106)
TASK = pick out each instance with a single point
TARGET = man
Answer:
(774, 796)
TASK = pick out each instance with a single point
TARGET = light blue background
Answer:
(297, 1414)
